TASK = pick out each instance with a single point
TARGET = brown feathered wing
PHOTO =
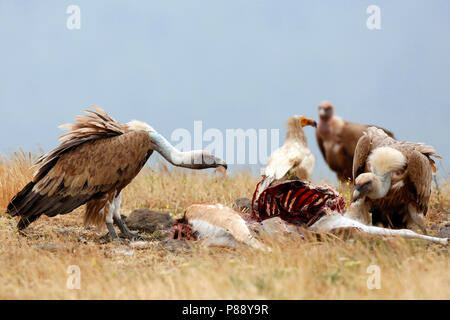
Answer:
(98, 158)
(419, 168)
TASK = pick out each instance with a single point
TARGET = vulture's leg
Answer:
(109, 223)
(416, 218)
(118, 220)
(112, 233)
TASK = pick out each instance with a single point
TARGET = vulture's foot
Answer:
(112, 235)
(417, 219)
(417, 226)
(125, 232)
(130, 236)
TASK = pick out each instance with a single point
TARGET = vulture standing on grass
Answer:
(337, 140)
(395, 177)
(98, 158)
(293, 160)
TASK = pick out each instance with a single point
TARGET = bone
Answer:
(336, 221)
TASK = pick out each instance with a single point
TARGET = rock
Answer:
(276, 226)
(243, 205)
(140, 244)
(443, 233)
(149, 221)
(175, 246)
(123, 252)
(61, 230)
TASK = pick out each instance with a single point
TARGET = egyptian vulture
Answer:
(395, 177)
(97, 158)
(337, 140)
(293, 160)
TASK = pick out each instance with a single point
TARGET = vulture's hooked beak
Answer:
(307, 122)
(322, 112)
(360, 191)
(221, 163)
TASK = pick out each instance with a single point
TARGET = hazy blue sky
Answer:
(232, 64)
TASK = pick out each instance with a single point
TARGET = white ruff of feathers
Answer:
(384, 160)
(139, 125)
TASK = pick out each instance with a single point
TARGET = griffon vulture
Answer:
(395, 176)
(98, 158)
(293, 160)
(337, 140)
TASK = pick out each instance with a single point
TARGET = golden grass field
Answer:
(35, 267)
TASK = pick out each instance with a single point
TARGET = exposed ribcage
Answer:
(297, 202)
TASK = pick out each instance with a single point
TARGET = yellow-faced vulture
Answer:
(293, 160)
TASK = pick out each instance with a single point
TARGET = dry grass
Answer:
(34, 267)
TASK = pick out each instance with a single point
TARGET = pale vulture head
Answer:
(326, 110)
(295, 126)
(297, 122)
(385, 163)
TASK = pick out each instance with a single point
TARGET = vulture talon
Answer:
(112, 236)
(130, 236)
(125, 232)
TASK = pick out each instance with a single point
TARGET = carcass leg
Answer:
(337, 221)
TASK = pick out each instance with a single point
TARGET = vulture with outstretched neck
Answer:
(98, 158)
(337, 140)
(293, 160)
(395, 177)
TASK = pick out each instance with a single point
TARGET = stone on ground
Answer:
(149, 221)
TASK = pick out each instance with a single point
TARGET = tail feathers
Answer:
(30, 205)
(19, 202)
(25, 222)
(427, 150)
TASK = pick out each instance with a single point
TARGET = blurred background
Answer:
(232, 64)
